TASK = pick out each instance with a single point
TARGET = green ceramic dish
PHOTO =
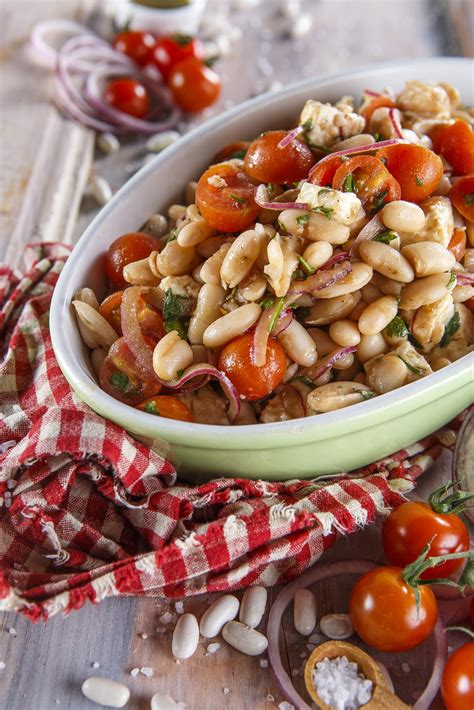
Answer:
(303, 448)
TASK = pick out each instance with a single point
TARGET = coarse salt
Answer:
(406, 668)
(286, 706)
(216, 181)
(143, 636)
(226, 691)
(147, 671)
(339, 684)
(179, 606)
(166, 618)
(134, 672)
(12, 631)
(95, 664)
(263, 663)
(3, 665)
(213, 647)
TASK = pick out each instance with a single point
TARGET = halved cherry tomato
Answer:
(266, 162)
(110, 310)
(136, 45)
(457, 682)
(170, 50)
(150, 318)
(233, 150)
(457, 245)
(413, 525)
(469, 304)
(252, 382)
(384, 611)
(120, 377)
(168, 407)
(225, 198)
(462, 196)
(455, 143)
(375, 103)
(128, 96)
(193, 85)
(372, 182)
(124, 250)
(323, 172)
(417, 169)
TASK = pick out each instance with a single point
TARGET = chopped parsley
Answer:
(151, 408)
(376, 137)
(267, 302)
(413, 341)
(365, 394)
(344, 158)
(469, 199)
(307, 125)
(412, 368)
(276, 314)
(383, 160)
(172, 314)
(305, 266)
(237, 198)
(231, 295)
(270, 188)
(452, 281)
(452, 326)
(385, 237)
(324, 191)
(306, 381)
(180, 372)
(316, 146)
(419, 181)
(281, 226)
(297, 274)
(302, 219)
(397, 328)
(210, 61)
(237, 155)
(182, 39)
(326, 211)
(121, 381)
(349, 184)
(171, 237)
(379, 201)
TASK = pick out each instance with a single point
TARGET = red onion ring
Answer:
(395, 123)
(358, 149)
(464, 279)
(284, 320)
(431, 690)
(132, 331)
(290, 137)
(321, 279)
(263, 200)
(42, 29)
(369, 231)
(262, 333)
(328, 361)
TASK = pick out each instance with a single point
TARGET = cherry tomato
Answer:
(384, 613)
(375, 103)
(128, 96)
(168, 51)
(252, 382)
(369, 179)
(455, 143)
(120, 378)
(136, 45)
(124, 250)
(417, 169)
(193, 85)
(266, 162)
(457, 245)
(412, 525)
(225, 198)
(323, 172)
(457, 682)
(110, 310)
(233, 150)
(168, 407)
(462, 196)
(149, 317)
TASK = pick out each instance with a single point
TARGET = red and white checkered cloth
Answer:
(88, 512)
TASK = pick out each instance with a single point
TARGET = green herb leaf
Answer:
(382, 159)
(376, 137)
(302, 219)
(419, 181)
(121, 381)
(452, 326)
(281, 226)
(452, 281)
(349, 184)
(324, 191)
(171, 305)
(397, 328)
(297, 275)
(307, 125)
(469, 199)
(306, 267)
(276, 314)
(210, 61)
(385, 237)
(171, 237)
(270, 188)
(366, 394)
(412, 368)
(267, 302)
(326, 211)
(231, 295)
(178, 326)
(344, 158)
(182, 39)
(379, 201)
(180, 372)
(237, 198)
(306, 381)
(151, 408)
(237, 155)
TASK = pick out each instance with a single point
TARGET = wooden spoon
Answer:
(381, 698)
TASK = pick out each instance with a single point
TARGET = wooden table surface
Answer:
(44, 166)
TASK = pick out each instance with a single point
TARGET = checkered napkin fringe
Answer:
(88, 512)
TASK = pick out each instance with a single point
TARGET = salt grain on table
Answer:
(166, 618)
(143, 636)
(406, 668)
(286, 706)
(95, 664)
(134, 672)
(3, 665)
(263, 663)
(179, 606)
(147, 671)
(213, 647)
(226, 691)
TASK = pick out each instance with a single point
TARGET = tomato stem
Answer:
(455, 502)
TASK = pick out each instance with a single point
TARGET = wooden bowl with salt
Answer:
(381, 698)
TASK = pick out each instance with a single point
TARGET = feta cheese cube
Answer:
(343, 207)
(328, 124)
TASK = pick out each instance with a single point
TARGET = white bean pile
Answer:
(400, 313)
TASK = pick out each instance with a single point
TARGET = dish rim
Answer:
(236, 434)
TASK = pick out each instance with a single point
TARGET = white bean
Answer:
(403, 216)
(94, 329)
(428, 258)
(426, 290)
(100, 189)
(385, 373)
(190, 192)
(336, 626)
(223, 610)
(378, 315)
(332, 309)
(324, 343)
(98, 356)
(244, 638)
(163, 701)
(336, 395)
(304, 611)
(174, 260)
(185, 637)
(252, 287)
(87, 295)
(317, 254)
(207, 311)
(252, 606)
(157, 225)
(104, 691)
(194, 233)
(176, 212)
(139, 273)
(387, 261)
(298, 344)
(108, 143)
(211, 268)
(345, 333)
(370, 346)
(160, 141)
(171, 354)
(240, 258)
(316, 228)
(231, 325)
(359, 276)
(354, 142)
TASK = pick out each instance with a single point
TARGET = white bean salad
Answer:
(305, 271)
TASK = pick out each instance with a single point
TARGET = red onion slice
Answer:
(369, 231)
(321, 279)
(335, 259)
(464, 279)
(290, 137)
(206, 370)
(318, 369)
(284, 320)
(358, 149)
(431, 690)
(132, 332)
(67, 106)
(262, 199)
(369, 92)
(41, 31)
(395, 123)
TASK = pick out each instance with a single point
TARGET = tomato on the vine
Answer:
(457, 682)
(417, 169)
(170, 50)
(225, 198)
(369, 179)
(251, 381)
(125, 250)
(266, 162)
(136, 45)
(455, 143)
(129, 96)
(411, 526)
(193, 85)
(167, 406)
(384, 612)
(462, 196)
(120, 377)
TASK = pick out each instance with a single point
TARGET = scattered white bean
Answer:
(162, 701)
(223, 610)
(185, 637)
(244, 638)
(160, 141)
(336, 626)
(100, 189)
(108, 143)
(105, 691)
(252, 607)
(304, 611)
